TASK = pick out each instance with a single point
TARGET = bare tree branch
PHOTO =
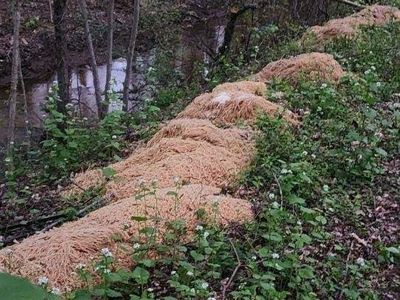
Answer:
(93, 64)
(16, 5)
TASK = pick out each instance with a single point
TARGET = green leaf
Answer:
(15, 288)
(197, 256)
(321, 219)
(81, 295)
(139, 218)
(273, 236)
(267, 286)
(99, 292)
(141, 275)
(393, 250)
(381, 152)
(114, 277)
(147, 262)
(113, 294)
(263, 252)
(109, 172)
(306, 273)
(293, 199)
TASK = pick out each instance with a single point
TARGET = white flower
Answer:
(325, 188)
(55, 291)
(43, 280)
(173, 272)
(275, 255)
(271, 196)
(378, 84)
(150, 290)
(136, 246)
(206, 234)
(106, 252)
(80, 266)
(372, 67)
(254, 257)
(204, 285)
(193, 291)
(275, 205)
(278, 95)
(313, 156)
(360, 261)
(211, 298)
(189, 273)
(324, 85)
(114, 137)
(85, 119)
(305, 153)
(199, 228)
(299, 223)
(284, 171)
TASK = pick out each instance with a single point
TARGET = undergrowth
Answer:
(315, 192)
(316, 189)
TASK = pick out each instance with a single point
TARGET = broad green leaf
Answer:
(141, 275)
(15, 288)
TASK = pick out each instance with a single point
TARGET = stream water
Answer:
(81, 83)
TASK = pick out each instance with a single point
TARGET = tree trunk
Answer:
(109, 51)
(16, 5)
(26, 114)
(131, 50)
(93, 64)
(59, 11)
(230, 29)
